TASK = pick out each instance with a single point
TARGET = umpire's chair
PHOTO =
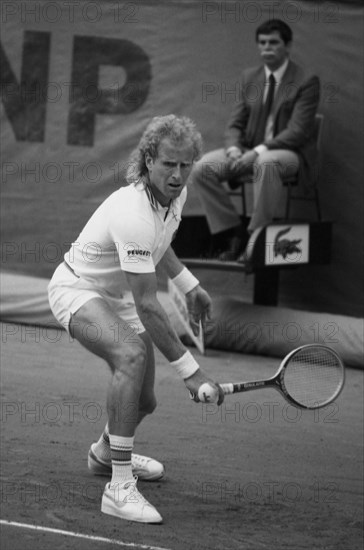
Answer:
(236, 186)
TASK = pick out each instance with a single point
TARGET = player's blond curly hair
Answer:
(177, 129)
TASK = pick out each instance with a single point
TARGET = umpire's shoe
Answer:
(145, 468)
(125, 502)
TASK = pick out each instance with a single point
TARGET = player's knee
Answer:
(137, 355)
(136, 359)
(130, 360)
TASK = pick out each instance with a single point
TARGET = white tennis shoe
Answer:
(126, 502)
(144, 467)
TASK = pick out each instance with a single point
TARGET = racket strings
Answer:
(313, 376)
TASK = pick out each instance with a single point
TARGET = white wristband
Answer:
(186, 365)
(185, 281)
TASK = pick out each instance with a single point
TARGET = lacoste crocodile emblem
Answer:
(284, 247)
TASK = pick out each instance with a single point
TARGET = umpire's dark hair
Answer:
(275, 25)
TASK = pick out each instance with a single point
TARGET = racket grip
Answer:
(227, 388)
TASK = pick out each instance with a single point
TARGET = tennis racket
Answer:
(309, 377)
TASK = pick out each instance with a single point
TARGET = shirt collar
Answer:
(153, 201)
(278, 74)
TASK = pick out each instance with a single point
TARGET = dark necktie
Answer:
(264, 113)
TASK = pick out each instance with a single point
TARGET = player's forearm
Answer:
(157, 323)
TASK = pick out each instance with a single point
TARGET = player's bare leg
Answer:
(146, 468)
(127, 361)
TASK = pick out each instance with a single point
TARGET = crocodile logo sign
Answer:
(284, 247)
(287, 244)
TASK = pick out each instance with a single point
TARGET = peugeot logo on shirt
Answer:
(134, 253)
(138, 252)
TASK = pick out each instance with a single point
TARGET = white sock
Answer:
(121, 448)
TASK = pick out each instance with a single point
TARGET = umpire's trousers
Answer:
(268, 172)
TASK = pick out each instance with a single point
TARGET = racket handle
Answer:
(227, 388)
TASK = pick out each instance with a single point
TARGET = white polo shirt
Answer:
(130, 231)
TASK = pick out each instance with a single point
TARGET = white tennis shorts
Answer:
(67, 293)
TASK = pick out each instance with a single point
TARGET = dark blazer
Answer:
(293, 110)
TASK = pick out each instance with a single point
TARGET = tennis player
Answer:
(105, 295)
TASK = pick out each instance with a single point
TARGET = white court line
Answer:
(80, 535)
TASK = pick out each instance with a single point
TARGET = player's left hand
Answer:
(198, 379)
(199, 307)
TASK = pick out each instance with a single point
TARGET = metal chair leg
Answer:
(288, 201)
(318, 206)
(243, 200)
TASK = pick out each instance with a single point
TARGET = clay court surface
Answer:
(254, 474)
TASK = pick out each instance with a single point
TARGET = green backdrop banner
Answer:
(79, 82)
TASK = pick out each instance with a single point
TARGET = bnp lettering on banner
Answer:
(178, 302)
(287, 244)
